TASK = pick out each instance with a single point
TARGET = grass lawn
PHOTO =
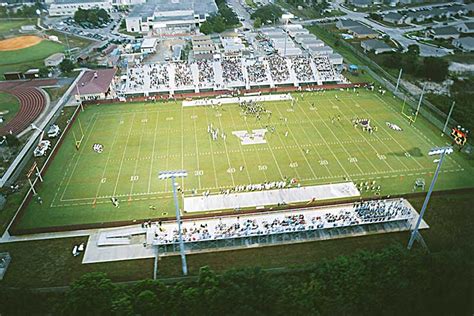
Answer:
(9, 106)
(26, 58)
(12, 26)
(251, 4)
(50, 263)
(74, 41)
(141, 139)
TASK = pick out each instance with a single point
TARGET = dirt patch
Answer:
(19, 42)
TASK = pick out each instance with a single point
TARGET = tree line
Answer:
(95, 17)
(224, 19)
(392, 281)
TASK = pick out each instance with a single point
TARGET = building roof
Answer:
(393, 16)
(95, 81)
(363, 30)
(375, 44)
(469, 25)
(55, 57)
(446, 30)
(148, 43)
(465, 41)
(197, 6)
(350, 23)
(77, 1)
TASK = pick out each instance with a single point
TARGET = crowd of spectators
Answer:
(302, 67)
(278, 68)
(183, 75)
(234, 227)
(232, 70)
(257, 71)
(156, 76)
(206, 72)
(325, 69)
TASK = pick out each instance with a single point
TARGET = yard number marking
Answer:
(352, 159)
(294, 165)
(262, 167)
(133, 178)
(198, 173)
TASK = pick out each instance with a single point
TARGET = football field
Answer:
(315, 142)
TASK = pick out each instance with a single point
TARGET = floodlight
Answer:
(440, 150)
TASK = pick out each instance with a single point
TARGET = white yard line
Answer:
(377, 136)
(150, 175)
(212, 150)
(242, 152)
(137, 159)
(297, 144)
(358, 147)
(79, 157)
(226, 152)
(123, 155)
(327, 145)
(107, 161)
(197, 148)
(314, 146)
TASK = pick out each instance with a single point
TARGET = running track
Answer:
(32, 102)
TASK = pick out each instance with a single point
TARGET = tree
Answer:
(93, 18)
(206, 28)
(413, 50)
(228, 15)
(435, 68)
(219, 25)
(66, 65)
(43, 72)
(266, 13)
(103, 15)
(257, 23)
(146, 303)
(92, 292)
(80, 16)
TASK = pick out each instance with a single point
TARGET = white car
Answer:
(53, 131)
(39, 151)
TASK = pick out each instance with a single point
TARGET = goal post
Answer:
(78, 138)
(409, 116)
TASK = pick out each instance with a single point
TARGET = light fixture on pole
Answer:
(442, 151)
(164, 175)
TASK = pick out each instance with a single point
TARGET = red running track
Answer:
(32, 103)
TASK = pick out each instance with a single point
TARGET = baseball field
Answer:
(25, 52)
(322, 138)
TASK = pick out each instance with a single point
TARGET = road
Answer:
(241, 12)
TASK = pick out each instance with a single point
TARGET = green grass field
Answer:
(11, 26)
(9, 106)
(141, 139)
(26, 58)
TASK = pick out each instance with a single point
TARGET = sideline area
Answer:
(261, 197)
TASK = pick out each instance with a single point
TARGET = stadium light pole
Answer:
(398, 81)
(442, 151)
(447, 119)
(164, 175)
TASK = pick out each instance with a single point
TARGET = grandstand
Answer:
(254, 229)
(228, 73)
